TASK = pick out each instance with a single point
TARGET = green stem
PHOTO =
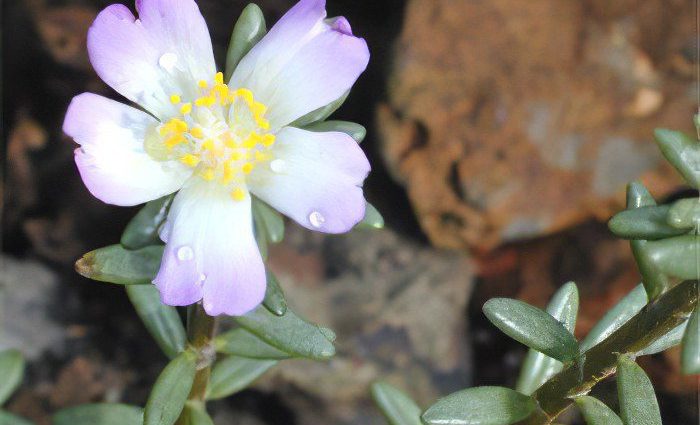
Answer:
(653, 321)
(200, 332)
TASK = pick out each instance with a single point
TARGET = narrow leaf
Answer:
(99, 414)
(115, 264)
(289, 333)
(646, 223)
(690, 355)
(195, 414)
(395, 405)
(249, 29)
(677, 257)
(162, 321)
(638, 405)
(617, 316)
(480, 406)
(170, 391)
(638, 196)
(268, 220)
(274, 296)
(233, 374)
(537, 367)
(595, 412)
(321, 113)
(373, 218)
(682, 152)
(671, 339)
(533, 327)
(142, 230)
(242, 343)
(354, 130)
(7, 418)
(11, 372)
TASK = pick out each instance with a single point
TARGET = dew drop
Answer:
(185, 253)
(202, 278)
(316, 219)
(278, 166)
(168, 61)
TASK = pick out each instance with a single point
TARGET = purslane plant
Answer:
(217, 156)
(560, 371)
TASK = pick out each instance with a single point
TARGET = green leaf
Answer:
(114, 264)
(480, 406)
(670, 339)
(396, 406)
(321, 113)
(354, 130)
(595, 412)
(274, 296)
(537, 367)
(533, 327)
(7, 418)
(684, 214)
(195, 413)
(242, 343)
(249, 29)
(373, 219)
(142, 230)
(162, 321)
(99, 414)
(12, 371)
(233, 374)
(645, 223)
(617, 316)
(289, 333)
(170, 391)
(638, 196)
(682, 152)
(690, 355)
(268, 220)
(676, 257)
(638, 405)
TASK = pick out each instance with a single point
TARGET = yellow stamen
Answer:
(247, 167)
(238, 194)
(208, 174)
(186, 108)
(219, 78)
(190, 160)
(197, 132)
(202, 84)
(175, 99)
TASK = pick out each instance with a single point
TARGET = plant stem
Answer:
(200, 331)
(653, 321)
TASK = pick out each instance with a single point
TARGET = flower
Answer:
(218, 142)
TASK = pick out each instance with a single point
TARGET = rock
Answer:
(399, 313)
(509, 121)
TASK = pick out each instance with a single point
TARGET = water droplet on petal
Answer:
(184, 253)
(168, 61)
(278, 166)
(316, 219)
(202, 278)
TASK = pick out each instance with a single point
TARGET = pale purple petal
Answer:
(317, 179)
(211, 253)
(111, 158)
(302, 64)
(146, 60)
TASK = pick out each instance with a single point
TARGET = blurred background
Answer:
(501, 134)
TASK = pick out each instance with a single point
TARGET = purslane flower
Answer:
(218, 142)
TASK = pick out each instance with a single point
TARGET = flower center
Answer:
(221, 133)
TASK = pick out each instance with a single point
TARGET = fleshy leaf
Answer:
(268, 220)
(354, 130)
(373, 219)
(638, 403)
(684, 214)
(242, 343)
(321, 113)
(682, 152)
(289, 333)
(537, 367)
(595, 412)
(617, 316)
(533, 327)
(395, 405)
(99, 414)
(690, 355)
(115, 264)
(12, 371)
(676, 257)
(274, 296)
(142, 230)
(233, 374)
(162, 321)
(7, 418)
(480, 406)
(249, 29)
(671, 339)
(170, 391)
(645, 223)
(195, 414)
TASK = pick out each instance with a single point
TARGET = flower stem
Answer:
(653, 321)
(200, 332)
